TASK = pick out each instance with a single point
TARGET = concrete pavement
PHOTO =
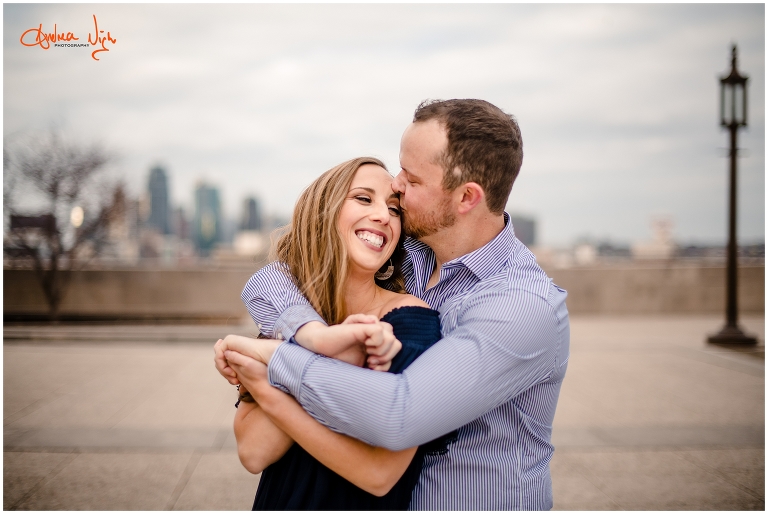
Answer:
(651, 418)
(136, 418)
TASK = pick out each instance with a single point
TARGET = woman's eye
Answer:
(363, 199)
(395, 211)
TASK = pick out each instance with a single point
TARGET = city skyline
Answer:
(617, 103)
(159, 205)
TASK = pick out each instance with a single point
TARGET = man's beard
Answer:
(418, 226)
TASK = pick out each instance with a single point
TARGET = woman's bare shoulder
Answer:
(403, 300)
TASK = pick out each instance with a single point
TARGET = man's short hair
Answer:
(484, 146)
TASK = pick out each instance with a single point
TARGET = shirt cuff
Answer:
(293, 318)
(286, 367)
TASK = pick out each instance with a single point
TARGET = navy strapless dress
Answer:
(299, 482)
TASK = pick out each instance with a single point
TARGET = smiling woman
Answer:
(346, 230)
(358, 196)
(370, 218)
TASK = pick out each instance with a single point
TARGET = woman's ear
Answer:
(471, 196)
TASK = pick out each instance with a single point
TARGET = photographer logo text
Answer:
(38, 37)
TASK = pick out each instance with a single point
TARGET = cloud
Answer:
(617, 103)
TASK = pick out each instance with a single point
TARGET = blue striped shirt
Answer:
(495, 376)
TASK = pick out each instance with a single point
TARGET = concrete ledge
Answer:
(661, 290)
(141, 295)
(125, 333)
(132, 294)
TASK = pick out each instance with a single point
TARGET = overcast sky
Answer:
(617, 103)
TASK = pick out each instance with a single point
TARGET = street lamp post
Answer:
(733, 115)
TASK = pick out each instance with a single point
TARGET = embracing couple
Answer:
(418, 348)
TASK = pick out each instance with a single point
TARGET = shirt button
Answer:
(279, 335)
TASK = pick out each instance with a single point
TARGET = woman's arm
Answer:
(259, 441)
(359, 340)
(375, 470)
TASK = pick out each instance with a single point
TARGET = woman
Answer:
(344, 251)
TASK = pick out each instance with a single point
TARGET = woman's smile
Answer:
(373, 238)
(370, 218)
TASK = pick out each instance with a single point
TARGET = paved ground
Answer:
(136, 418)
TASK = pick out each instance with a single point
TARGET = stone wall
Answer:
(205, 294)
(133, 294)
(659, 290)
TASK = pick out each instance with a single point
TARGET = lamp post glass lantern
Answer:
(733, 96)
(733, 115)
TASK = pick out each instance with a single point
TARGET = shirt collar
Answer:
(483, 262)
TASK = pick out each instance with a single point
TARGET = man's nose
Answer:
(398, 185)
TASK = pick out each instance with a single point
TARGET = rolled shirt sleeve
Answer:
(275, 303)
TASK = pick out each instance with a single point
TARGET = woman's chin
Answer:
(364, 269)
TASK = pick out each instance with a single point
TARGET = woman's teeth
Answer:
(375, 240)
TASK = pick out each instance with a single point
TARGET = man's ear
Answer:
(471, 195)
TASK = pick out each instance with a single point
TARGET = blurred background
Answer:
(143, 175)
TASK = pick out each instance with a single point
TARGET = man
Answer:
(496, 374)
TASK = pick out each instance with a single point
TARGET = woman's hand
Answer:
(382, 349)
(254, 373)
(374, 470)
(222, 366)
(251, 372)
(259, 349)
(259, 441)
(358, 339)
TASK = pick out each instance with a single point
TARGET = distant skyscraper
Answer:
(159, 208)
(208, 226)
(525, 229)
(180, 223)
(251, 219)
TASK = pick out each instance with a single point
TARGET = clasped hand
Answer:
(259, 350)
(360, 339)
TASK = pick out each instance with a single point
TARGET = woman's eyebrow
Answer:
(373, 192)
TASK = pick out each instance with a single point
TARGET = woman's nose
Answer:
(380, 212)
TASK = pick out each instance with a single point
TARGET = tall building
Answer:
(208, 226)
(180, 225)
(525, 229)
(251, 218)
(159, 208)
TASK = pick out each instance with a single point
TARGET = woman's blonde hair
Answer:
(313, 249)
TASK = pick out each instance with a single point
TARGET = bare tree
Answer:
(58, 204)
